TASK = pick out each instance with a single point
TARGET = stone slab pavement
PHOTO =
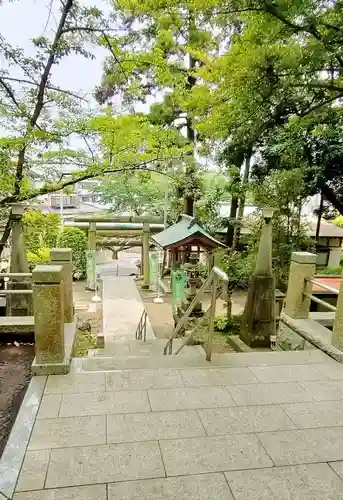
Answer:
(122, 308)
(258, 432)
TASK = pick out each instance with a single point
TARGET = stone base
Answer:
(63, 367)
(238, 344)
(100, 341)
(258, 321)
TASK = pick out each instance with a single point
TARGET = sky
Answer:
(22, 20)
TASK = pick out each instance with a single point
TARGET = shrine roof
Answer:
(186, 231)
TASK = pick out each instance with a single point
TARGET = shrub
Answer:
(42, 256)
(229, 326)
(40, 230)
(75, 239)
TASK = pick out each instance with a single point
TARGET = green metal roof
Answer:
(187, 227)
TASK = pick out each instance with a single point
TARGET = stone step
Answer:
(104, 364)
(121, 348)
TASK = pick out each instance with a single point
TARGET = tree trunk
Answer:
(190, 169)
(6, 234)
(320, 214)
(232, 219)
(229, 306)
(245, 179)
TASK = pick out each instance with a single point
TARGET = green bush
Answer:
(75, 238)
(229, 326)
(40, 230)
(42, 256)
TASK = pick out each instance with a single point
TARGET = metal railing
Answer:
(141, 328)
(316, 299)
(9, 279)
(216, 275)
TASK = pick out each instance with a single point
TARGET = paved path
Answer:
(123, 308)
(248, 426)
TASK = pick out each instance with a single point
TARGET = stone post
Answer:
(48, 314)
(146, 264)
(18, 305)
(303, 266)
(337, 332)
(91, 273)
(63, 257)
(259, 319)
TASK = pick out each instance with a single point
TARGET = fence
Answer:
(299, 296)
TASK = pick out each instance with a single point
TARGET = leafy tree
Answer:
(138, 193)
(75, 238)
(283, 67)
(40, 118)
(159, 53)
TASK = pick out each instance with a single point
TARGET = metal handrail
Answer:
(213, 278)
(321, 302)
(141, 328)
(322, 285)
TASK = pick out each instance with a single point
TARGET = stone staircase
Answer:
(132, 354)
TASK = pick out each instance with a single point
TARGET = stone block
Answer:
(153, 426)
(102, 403)
(314, 481)
(331, 370)
(292, 373)
(75, 383)
(324, 391)
(49, 314)
(304, 258)
(213, 454)
(201, 487)
(49, 406)
(104, 464)
(220, 421)
(316, 414)
(146, 379)
(268, 394)
(64, 432)
(304, 446)
(186, 398)
(33, 471)
(96, 492)
(63, 257)
(217, 376)
(303, 266)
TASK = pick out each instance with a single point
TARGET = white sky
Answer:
(22, 20)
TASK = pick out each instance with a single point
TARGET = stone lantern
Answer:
(259, 317)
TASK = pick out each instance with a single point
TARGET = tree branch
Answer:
(87, 175)
(40, 97)
(48, 86)
(10, 92)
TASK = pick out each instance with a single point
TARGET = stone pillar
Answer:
(334, 257)
(259, 318)
(91, 272)
(337, 332)
(18, 305)
(146, 246)
(303, 266)
(63, 257)
(49, 314)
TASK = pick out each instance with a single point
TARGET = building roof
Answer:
(186, 231)
(327, 230)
